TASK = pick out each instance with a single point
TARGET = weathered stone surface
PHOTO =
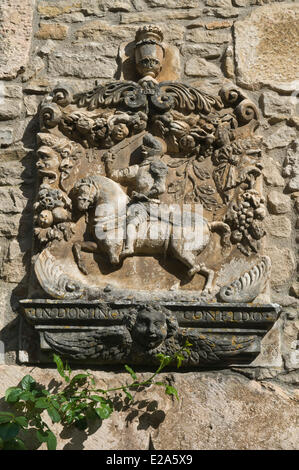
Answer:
(295, 290)
(6, 136)
(214, 37)
(14, 269)
(12, 200)
(272, 175)
(197, 67)
(31, 103)
(9, 225)
(9, 109)
(275, 106)
(224, 410)
(11, 173)
(33, 69)
(15, 36)
(78, 63)
(52, 31)
(172, 3)
(155, 16)
(218, 24)
(278, 203)
(266, 45)
(281, 136)
(54, 9)
(291, 167)
(207, 51)
(218, 3)
(283, 265)
(278, 226)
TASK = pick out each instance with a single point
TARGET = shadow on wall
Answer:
(21, 231)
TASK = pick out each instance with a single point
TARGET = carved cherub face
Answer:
(150, 328)
(48, 162)
(119, 131)
(86, 195)
(45, 219)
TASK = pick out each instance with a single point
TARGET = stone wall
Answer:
(252, 43)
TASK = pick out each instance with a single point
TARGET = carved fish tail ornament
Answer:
(247, 287)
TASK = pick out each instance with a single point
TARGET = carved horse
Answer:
(106, 203)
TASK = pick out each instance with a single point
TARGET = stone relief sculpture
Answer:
(147, 191)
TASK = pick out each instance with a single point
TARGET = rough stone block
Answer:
(266, 45)
(280, 136)
(81, 64)
(6, 136)
(271, 173)
(283, 265)
(213, 37)
(12, 200)
(197, 67)
(278, 226)
(11, 173)
(172, 3)
(278, 203)
(52, 31)
(155, 16)
(54, 9)
(15, 36)
(279, 107)
(207, 51)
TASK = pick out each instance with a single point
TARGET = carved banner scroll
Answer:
(150, 194)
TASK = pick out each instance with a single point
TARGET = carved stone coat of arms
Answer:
(149, 220)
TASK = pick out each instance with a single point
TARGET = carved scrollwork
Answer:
(50, 115)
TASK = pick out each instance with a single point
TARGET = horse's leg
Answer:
(189, 259)
(209, 273)
(89, 247)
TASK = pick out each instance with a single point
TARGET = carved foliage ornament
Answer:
(148, 189)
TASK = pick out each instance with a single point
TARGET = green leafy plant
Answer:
(77, 402)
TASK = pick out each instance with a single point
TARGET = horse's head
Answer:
(86, 191)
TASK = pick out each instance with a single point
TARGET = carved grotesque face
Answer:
(149, 66)
(119, 132)
(45, 219)
(67, 163)
(86, 197)
(150, 328)
(48, 162)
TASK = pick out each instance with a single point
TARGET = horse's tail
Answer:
(224, 232)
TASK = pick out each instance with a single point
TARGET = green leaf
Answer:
(78, 377)
(42, 436)
(131, 372)
(98, 399)
(169, 390)
(104, 412)
(12, 394)
(51, 441)
(28, 383)
(9, 431)
(45, 392)
(1, 443)
(54, 403)
(42, 403)
(180, 358)
(27, 396)
(54, 415)
(59, 365)
(14, 444)
(6, 417)
(162, 384)
(128, 394)
(21, 421)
